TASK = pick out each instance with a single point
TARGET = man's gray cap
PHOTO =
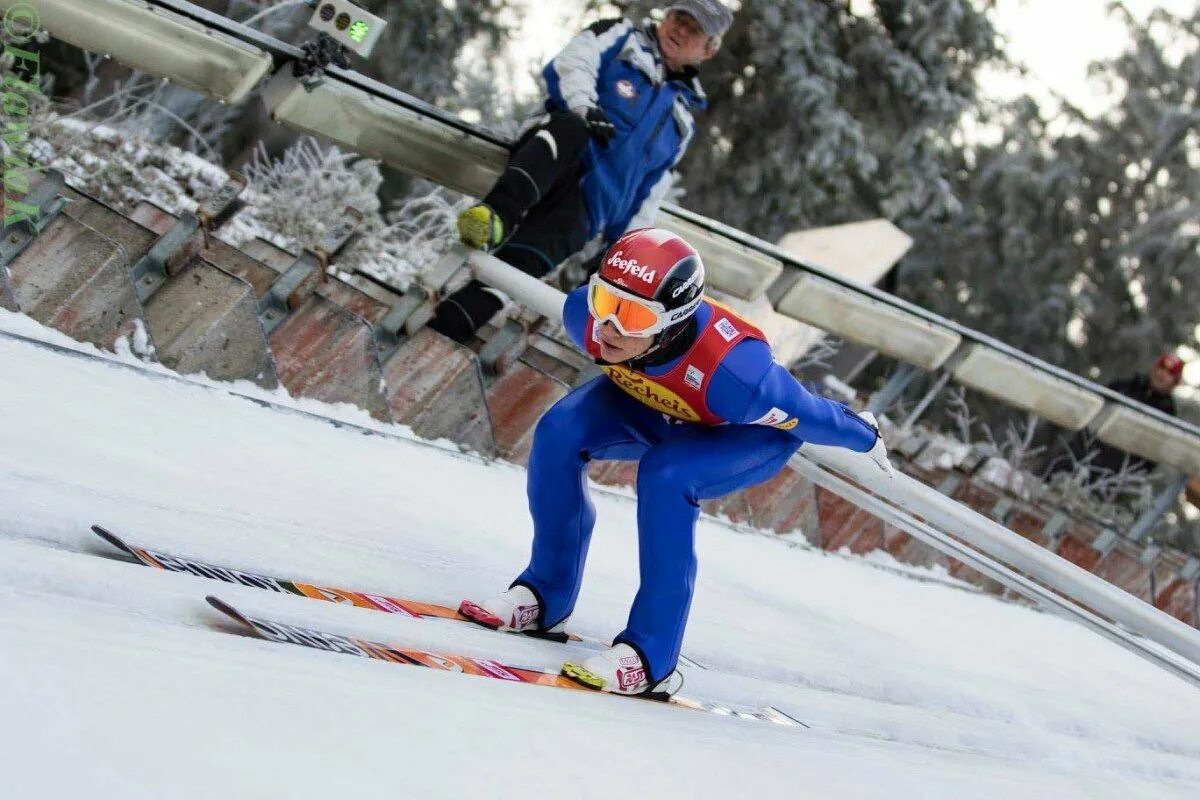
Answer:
(713, 16)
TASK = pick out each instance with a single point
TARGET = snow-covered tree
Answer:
(420, 47)
(825, 111)
(1079, 238)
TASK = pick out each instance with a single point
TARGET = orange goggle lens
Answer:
(633, 316)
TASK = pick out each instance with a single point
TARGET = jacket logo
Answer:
(775, 417)
(625, 89)
(631, 268)
(726, 329)
(693, 377)
(655, 395)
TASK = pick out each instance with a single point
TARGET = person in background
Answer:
(1193, 492)
(598, 161)
(1153, 389)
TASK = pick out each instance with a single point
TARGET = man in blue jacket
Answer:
(598, 161)
(692, 393)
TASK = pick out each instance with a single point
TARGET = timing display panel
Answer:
(350, 25)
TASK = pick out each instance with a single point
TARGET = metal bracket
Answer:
(165, 257)
(443, 272)
(179, 245)
(950, 483)
(911, 446)
(49, 201)
(419, 303)
(1054, 527)
(890, 392)
(1106, 541)
(1190, 569)
(1001, 510)
(925, 402)
(339, 235)
(504, 348)
(1158, 507)
(223, 204)
(301, 279)
(395, 325)
(976, 458)
(289, 290)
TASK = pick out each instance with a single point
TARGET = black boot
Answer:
(465, 311)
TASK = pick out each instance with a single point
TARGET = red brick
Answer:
(980, 496)
(1121, 568)
(732, 506)
(76, 280)
(896, 542)
(784, 503)
(1178, 598)
(1079, 552)
(436, 387)
(842, 523)
(517, 400)
(324, 352)
(614, 473)
(870, 537)
(1030, 527)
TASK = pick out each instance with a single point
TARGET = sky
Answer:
(1057, 39)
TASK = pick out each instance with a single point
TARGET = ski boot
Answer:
(515, 610)
(619, 670)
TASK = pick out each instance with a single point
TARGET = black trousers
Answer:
(539, 199)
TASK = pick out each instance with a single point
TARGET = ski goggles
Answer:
(632, 315)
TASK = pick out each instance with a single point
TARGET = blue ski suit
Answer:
(766, 415)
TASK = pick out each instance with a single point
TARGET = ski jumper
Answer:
(721, 417)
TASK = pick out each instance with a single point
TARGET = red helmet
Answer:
(1171, 363)
(649, 280)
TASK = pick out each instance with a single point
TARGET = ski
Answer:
(390, 605)
(285, 633)
(375, 602)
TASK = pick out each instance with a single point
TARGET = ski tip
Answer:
(111, 538)
(226, 609)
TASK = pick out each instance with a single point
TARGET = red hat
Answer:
(1171, 363)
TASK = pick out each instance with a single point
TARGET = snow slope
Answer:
(118, 681)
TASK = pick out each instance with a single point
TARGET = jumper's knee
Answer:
(660, 472)
(561, 428)
(569, 133)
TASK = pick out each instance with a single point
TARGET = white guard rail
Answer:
(909, 501)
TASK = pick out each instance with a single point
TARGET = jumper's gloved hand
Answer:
(599, 125)
(878, 453)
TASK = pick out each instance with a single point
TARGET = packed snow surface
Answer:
(118, 681)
